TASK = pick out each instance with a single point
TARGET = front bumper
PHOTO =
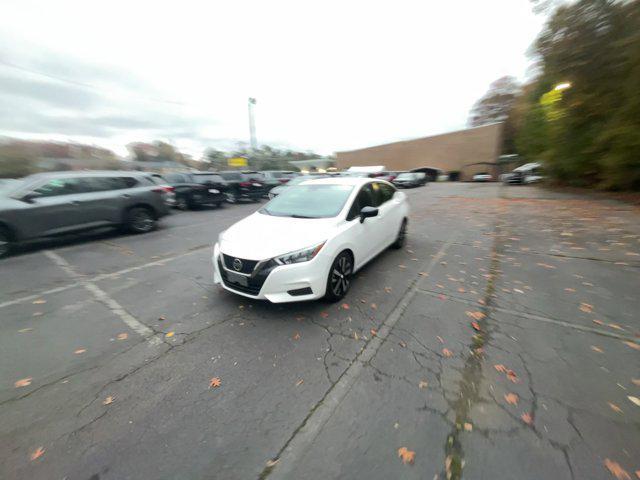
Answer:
(277, 283)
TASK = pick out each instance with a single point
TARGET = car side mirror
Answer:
(367, 212)
(29, 197)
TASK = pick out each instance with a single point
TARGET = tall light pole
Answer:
(252, 125)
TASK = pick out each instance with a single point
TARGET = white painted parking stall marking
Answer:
(302, 439)
(102, 297)
(103, 276)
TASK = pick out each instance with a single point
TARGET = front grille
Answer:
(255, 282)
(247, 265)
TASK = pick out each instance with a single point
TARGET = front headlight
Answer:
(299, 256)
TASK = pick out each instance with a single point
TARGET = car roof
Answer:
(354, 181)
(88, 173)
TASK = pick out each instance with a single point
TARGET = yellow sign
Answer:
(237, 162)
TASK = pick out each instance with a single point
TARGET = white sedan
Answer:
(306, 243)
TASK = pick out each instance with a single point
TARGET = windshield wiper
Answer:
(301, 216)
(265, 211)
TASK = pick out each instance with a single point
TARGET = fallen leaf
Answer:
(374, 332)
(501, 368)
(596, 349)
(632, 345)
(25, 330)
(634, 400)
(299, 382)
(345, 306)
(374, 306)
(108, 400)
(598, 322)
(37, 453)
(614, 407)
(476, 315)
(214, 382)
(586, 308)
(161, 318)
(122, 336)
(511, 398)
(440, 339)
(80, 351)
(616, 470)
(468, 427)
(511, 375)
(446, 352)
(526, 418)
(272, 463)
(355, 335)
(570, 290)
(406, 455)
(296, 336)
(402, 266)
(387, 289)
(170, 334)
(423, 384)
(402, 344)
(40, 301)
(37, 314)
(475, 326)
(25, 382)
(636, 381)
(423, 274)
(615, 326)
(324, 314)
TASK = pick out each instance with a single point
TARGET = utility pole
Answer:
(252, 125)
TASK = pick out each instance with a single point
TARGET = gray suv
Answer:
(57, 203)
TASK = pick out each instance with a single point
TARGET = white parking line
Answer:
(102, 297)
(102, 276)
(304, 437)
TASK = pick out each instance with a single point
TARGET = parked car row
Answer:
(59, 203)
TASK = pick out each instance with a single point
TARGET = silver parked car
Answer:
(57, 203)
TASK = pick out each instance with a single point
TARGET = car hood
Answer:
(259, 236)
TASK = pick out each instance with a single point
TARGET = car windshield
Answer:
(309, 201)
(205, 178)
(231, 175)
(304, 178)
(405, 176)
(277, 174)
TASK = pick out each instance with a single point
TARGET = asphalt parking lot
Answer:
(501, 342)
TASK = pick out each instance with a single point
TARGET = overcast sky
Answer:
(327, 75)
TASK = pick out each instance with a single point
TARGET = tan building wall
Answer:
(466, 151)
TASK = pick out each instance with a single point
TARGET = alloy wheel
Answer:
(340, 279)
(142, 220)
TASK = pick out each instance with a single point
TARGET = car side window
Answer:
(386, 192)
(104, 184)
(60, 186)
(364, 198)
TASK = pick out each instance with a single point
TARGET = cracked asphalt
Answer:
(502, 342)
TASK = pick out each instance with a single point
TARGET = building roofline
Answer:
(420, 138)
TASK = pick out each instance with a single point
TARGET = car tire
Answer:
(6, 242)
(402, 235)
(232, 198)
(339, 278)
(140, 220)
(182, 203)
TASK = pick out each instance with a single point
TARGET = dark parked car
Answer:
(194, 189)
(410, 180)
(241, 186)
(57, 203)
(269, 178)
